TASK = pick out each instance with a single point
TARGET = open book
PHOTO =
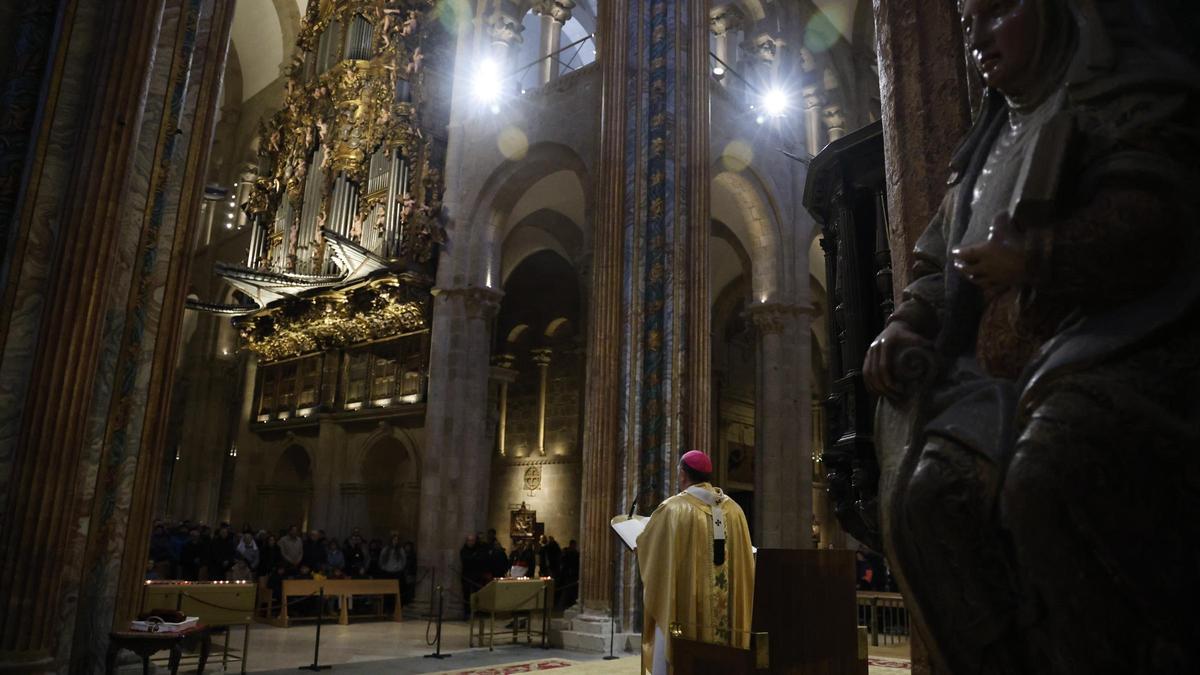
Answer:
(629, 529)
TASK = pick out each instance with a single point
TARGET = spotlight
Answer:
(718, 71)
(488, 82)
(775, 102)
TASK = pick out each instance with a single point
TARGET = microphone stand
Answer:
(612, 616)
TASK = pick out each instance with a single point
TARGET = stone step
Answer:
(585, 642)
(592, 626)
(560, 624)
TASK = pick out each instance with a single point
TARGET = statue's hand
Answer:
(881, 367)
(996, 263)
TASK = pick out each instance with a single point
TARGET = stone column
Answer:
(457, 462)
(926, 112)
(814, 130)
(90, 342)
(502, 372)
(923, 90)
(650, 379)
(555, 14)
(541, 357)
(504, 31)
(783, 482)
(721, 21)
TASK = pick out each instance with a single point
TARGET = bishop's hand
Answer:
(997, 262)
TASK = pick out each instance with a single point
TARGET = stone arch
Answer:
(358, 455)
(500, 194)
(386, 498)
(742, 202)
(258, 36)
(285, 497)
(544, 229)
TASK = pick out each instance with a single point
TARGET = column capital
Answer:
(559, 10)
(504, 28)
(772, 318)
(479, 301)
(504, 361)
(764, 47)
(724, 19)
(542, 356)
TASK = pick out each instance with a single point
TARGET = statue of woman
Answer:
(1041, 487)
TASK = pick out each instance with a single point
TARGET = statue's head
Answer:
(1017, 45)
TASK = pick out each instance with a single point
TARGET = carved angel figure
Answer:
(1040, 416)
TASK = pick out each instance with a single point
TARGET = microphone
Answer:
(633, 507)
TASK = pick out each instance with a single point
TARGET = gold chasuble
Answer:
(683, 584)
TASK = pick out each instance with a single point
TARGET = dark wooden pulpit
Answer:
(804, 621)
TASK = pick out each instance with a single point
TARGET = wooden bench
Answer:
(343, 590)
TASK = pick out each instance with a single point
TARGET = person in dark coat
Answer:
(191, 557)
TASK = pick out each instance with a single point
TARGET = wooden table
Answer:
(510, 597)
(343, 590)
(218, 605)
(146, 644)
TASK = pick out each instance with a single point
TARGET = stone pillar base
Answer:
(592, 633)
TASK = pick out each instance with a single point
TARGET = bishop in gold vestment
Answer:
(697, 568)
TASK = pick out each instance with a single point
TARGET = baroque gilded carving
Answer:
(386, 307)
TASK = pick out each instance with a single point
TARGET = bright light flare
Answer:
(488, 82)
(775, 102)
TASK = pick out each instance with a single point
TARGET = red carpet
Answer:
(530, 667)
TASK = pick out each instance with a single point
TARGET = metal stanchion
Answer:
(612, 616)
(316, 667)
(437, 653)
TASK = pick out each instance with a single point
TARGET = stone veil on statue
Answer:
(1039, 421)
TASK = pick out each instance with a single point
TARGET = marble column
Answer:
(783, 505)
(648, 341)
(924, 98)
(456, 471)
(926, 112)
(90, 342)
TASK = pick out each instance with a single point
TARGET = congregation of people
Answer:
(483, 558)
(195, 552)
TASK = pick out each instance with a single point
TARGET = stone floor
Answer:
(386, 647)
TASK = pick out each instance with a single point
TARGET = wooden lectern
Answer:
(805, 619)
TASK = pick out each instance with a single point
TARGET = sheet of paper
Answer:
(629, 529)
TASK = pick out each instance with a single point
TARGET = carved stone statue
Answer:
(1039, 427)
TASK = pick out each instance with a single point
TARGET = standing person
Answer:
(374, 555)
(269, 557)
(191, 557)
(570, 573)
(222, 553)
(408, 587)
(314, 552)
(247, 549)
(697, 567)
(497, 562)
(335, 560)
(291, 548)
(357, 558)
(471, 565)
(551, 558)
(392, 559)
